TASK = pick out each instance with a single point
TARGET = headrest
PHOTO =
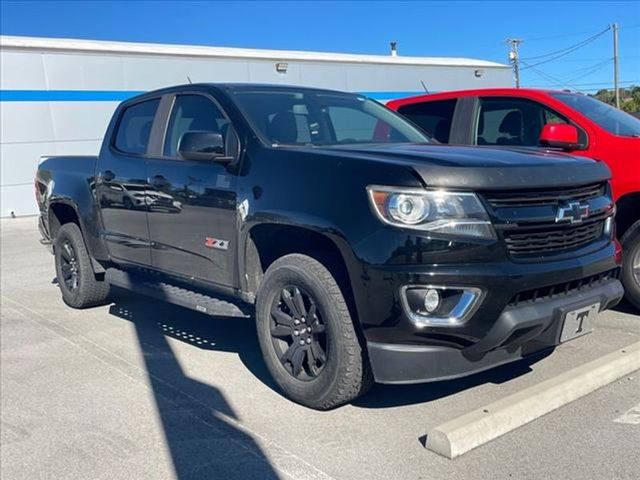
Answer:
(512, 124)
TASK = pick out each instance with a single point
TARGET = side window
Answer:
(512, 121)
(189, 113)
(134, 127)
(434, 118)
(350, 124)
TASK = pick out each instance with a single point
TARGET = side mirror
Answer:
(204, 146)
(560, 135)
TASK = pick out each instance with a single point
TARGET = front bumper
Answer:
(519, 331)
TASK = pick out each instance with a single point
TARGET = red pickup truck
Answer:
(522, 117)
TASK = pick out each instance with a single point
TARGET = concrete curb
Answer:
(478, 427)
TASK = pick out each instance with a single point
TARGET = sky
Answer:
(473, 29)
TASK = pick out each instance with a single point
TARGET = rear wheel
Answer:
(307, 336)
(631, 264)
(78, 284)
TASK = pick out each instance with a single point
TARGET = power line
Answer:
(592, 59)
(550, 78)
(566, 51)
(593, 84)
(571, 46)
(561, 35)
(590, 70)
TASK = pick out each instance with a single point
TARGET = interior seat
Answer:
(511, 127)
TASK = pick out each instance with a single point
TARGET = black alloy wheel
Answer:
(80, 286)
(307, 336)
(69, 266)
(298, 333)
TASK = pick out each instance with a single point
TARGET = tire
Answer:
(128, 204)
(631, 264)
(77, 282)
(322, 383)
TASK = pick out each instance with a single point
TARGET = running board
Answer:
(177, 295)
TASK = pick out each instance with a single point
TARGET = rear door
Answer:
(192, 204)
(121, 184)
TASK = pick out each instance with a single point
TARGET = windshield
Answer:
(611, 119)
(290, 116)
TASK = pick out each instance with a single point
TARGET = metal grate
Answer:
(528, 219)
(526, 242)
(547, 293)
(545, 197)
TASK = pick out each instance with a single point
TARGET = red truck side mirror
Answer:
(560, 135)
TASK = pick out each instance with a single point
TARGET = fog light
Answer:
(431, 300)
(439, 305)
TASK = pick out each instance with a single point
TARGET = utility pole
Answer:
(514, 58)
(616, 78)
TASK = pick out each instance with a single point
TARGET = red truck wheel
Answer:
(631, 264)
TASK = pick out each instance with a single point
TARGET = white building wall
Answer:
(57, 96)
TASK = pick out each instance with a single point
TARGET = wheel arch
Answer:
(627, 212)
(266, 242)
(62, 212)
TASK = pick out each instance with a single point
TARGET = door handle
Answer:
(108, 175)
(158, 182)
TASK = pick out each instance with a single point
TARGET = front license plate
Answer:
(578, 322)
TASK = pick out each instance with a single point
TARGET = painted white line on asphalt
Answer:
(478, 427)
(632, 416)
(284, 461)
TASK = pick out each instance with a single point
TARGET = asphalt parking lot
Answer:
(138, 389)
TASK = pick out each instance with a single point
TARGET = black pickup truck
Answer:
(365, 251)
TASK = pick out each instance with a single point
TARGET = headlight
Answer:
(437, 211)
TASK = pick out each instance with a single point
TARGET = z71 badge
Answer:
(211, 242)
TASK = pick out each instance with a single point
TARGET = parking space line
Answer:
(284, 461)
(631, 416)
(480, 426)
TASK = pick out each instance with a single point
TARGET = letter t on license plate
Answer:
(578, 322)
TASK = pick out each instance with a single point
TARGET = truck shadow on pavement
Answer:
(199, 425)
(238, 335)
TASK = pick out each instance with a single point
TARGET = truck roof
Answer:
(508, 92)
(230, 85)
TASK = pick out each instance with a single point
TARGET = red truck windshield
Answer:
(611, 119)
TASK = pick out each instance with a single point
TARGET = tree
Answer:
(629, 98)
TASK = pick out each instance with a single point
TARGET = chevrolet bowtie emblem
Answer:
(573, 212)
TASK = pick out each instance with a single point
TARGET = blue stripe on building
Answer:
(120, 95)
(67, 95)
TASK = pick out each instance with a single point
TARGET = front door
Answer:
(121, 185)
(192, 204)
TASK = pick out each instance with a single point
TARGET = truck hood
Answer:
(484, 168)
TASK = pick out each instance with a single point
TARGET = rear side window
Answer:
(135, 125)
(434, 118)
(192, 113)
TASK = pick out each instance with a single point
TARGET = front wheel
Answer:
(307, 337)
(78, 284)
(631, 264)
